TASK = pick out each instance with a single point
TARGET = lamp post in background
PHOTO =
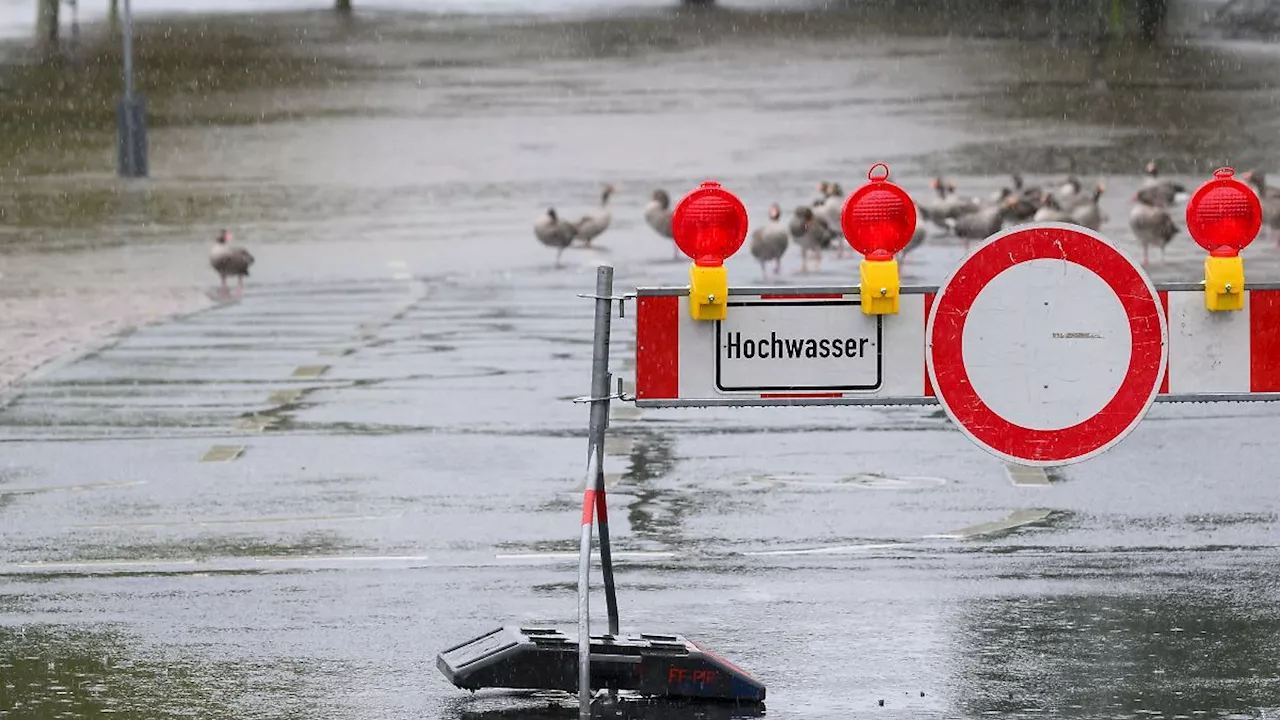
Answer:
(131, 122)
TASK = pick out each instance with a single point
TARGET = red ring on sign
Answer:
(946, 340)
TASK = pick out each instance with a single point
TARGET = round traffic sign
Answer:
(1047, 345)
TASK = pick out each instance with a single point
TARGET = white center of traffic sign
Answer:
(1047, 345)
(804, 345)
(1081, 339)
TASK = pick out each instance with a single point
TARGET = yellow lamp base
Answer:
(708, 292)
(879, 287)
(1223, 283)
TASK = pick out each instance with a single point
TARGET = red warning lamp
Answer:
(878, 221)
(879, 218)
(709, 224)
(1224, 216)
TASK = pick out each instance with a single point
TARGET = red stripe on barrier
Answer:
(928, 308)
(764, 396)
(658, 347)
(819, 296)
(1264, 341)
(1164, 305)
(588, 504)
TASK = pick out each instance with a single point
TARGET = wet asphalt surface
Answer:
(287, 504)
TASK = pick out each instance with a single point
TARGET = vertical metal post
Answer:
(593, 496)
(128, 52)
(131, 127)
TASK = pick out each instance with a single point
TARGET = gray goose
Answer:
(811, 233)
(1150, 221)
(1068, 194)
(554, 232)
(917, 239)
(1050, 211)
(955, 207)
(935, 211)
(657, 214)
(1089, 214)
(829, 207)
(228, 260)
(769, 242)
(1166, 191)
(986, 221)
(591, 226)
(1270, 197)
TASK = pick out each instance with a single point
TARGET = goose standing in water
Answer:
(811, 233)
(1068, 193)
(554, 232)
(769, 242)
(1150, 221)
(829, 207)
(1089, 214)
(917, 239)
(1270, 197)
(657, 214)
(985, 222)
(230, 260)
(1050, 211)
(591, 226)
(1167, 192)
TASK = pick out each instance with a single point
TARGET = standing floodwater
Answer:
(286, 504)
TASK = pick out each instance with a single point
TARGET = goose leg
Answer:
(1146, 259)
(239, 285)
(777, 267)
(804, 260)
(559, 252)
(764, 271)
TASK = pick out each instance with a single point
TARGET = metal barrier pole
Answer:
(593, 494)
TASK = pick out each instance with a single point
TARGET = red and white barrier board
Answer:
(1231, 356)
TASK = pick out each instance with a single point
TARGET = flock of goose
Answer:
(815, 227)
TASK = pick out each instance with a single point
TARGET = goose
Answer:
(829, 209)
(769, 242)
(956, 207)
(658, 216)
(1068, 193)
(1167, 191)
(1150, 221)
(554, 232)
(228, 260)
(935, 211)
(590, 226)
(917, 239)
(1050, 211)
(811, 233)
(1089, 214)
(1270, 197)
(986, 221)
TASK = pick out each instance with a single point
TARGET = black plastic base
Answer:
(648, 664)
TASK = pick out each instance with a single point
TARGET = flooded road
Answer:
(287, 505)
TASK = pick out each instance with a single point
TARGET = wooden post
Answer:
(47, 22)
